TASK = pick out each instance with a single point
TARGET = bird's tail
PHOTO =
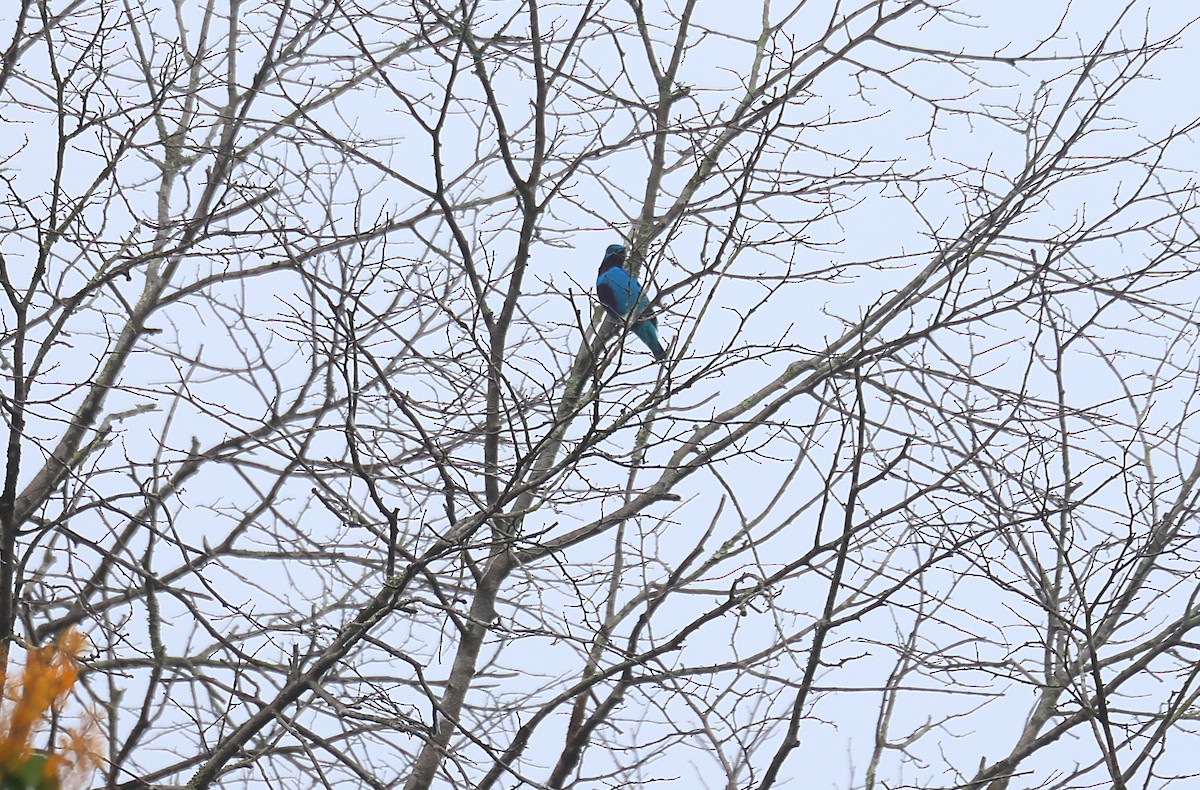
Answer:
(647, 333)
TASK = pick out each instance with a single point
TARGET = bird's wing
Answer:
(607, 297)
(613, 288)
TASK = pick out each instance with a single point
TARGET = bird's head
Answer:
(613, 256)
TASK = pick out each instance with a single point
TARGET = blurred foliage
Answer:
(36, 697)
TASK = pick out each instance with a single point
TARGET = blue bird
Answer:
(621, 294)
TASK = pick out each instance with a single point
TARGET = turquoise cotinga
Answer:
(621, 294)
